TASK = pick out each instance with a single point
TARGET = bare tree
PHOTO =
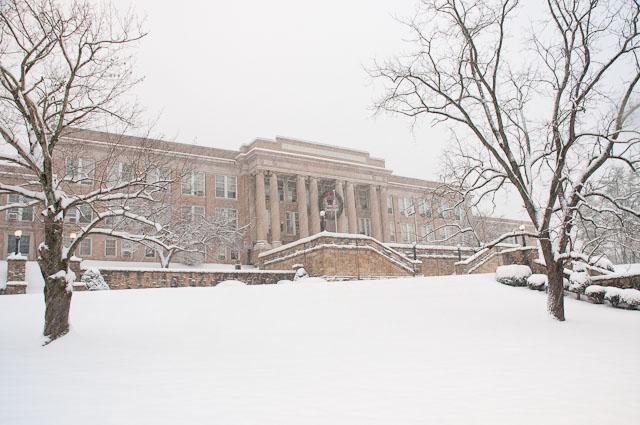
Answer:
(545, 113)
(66, 65)
(604, 229)
(183, 233)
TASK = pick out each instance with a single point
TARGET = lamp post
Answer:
(459, 252)
(322, 223)
(522, 228)
(18, 235)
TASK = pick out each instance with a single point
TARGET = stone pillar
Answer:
(374, 202)
(276, 237)
(342, 219)
(16, 268)
(261, 243)
(314, 209)
(74, 266)
(16, 281)
(351, 208)
(384, 216)
(303, 215)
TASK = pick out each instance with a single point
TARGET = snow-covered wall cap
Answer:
(74, 258)
(329, 234)
(18, 256)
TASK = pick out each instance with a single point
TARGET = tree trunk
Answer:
(555, 296)
(56, 296)
(555, 276)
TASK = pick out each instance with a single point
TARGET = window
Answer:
(363, 198)
(84, 248)
(392, 232)
(457, 212)
(193, 183)
(426, 232)
(292, 222)
(268, 220)
(110, 247)
(234, 254)
(443, 233)
(390, 205)
(80, 170)
(226, 187)
(82, 214)
(407, 233)
(222, 253)
(149, 252)
(160, 174)
(281, 189)
(443, 211)
(18, 213)
(24, 244)
(364, 226)
(229, 214)
(126, 248)
(192, 213)
(424, 208)
(404, 204)
(292, 193)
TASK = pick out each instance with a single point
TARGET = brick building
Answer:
(282, 189)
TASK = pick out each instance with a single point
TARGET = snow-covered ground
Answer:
(442, 350)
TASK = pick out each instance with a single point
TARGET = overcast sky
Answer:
(221, 73)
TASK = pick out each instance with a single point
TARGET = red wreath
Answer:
(327, 200)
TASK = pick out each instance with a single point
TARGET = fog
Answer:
(222, 73)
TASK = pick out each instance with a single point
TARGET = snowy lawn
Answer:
(445, 350)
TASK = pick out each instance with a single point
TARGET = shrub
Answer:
(630, 297)
(612, 295)
(595, 293)
(537, 282)
(579, 281)
(301, 273)
(513, 275)
(93, 280)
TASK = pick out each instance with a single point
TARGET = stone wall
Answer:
(170, 278)
(619, 281)
(489, 260)
(340, 256)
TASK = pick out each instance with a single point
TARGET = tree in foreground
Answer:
(66, 65)
(546, 111)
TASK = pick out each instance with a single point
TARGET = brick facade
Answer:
(374, 200)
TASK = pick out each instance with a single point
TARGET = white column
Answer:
(276, 238)
(351, 208)
(342, 218)
(314, 209)
(384, 215)
(374, 204)
(303, 215)
(261, 214)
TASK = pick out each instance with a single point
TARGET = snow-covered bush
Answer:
(301, 273)
(579, 266)
(579, 281)
(612, 296)
(537, 282)
(93, 280)
(595, 293)
(630, 298)
(513, 275)
(605, 263)
(230, 283)
(565, 283)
